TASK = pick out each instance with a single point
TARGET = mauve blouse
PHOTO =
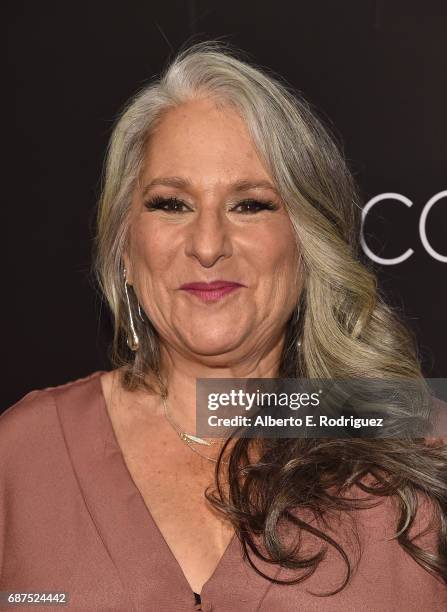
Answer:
(72, 520)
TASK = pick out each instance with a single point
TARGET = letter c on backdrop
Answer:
(391, 261)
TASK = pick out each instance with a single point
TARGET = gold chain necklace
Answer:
(190, 439)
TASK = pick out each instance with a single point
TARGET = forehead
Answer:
(201, 139)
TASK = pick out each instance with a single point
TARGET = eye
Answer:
(171, 205)
(253, 206)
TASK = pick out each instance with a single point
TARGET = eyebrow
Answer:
(182, 183)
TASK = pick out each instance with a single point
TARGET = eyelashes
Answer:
(166, 204)
(174, 205)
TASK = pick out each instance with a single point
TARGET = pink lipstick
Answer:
(211, 292)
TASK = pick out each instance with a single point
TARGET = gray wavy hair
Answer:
(344, 326)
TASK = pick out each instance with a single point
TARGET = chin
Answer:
(213, 343)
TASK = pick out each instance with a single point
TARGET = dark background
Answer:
(375, 70)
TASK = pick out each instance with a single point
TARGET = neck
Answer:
(180, 372)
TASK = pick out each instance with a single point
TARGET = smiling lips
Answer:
(211, 292)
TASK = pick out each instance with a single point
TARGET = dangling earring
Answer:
(133, 341)
(297, 317)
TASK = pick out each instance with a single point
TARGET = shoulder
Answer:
(33, 419)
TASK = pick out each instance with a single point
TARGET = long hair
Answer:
(341, 328)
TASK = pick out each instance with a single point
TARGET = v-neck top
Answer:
(72, 520)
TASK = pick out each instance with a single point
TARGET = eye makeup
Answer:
(176, 205)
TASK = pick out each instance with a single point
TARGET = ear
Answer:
(128, 266)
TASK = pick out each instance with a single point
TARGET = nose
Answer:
(209, 237)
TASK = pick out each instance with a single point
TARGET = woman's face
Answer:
(206, 211)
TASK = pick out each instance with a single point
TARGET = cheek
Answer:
(277, 256)
(279, 287)
(152, 251)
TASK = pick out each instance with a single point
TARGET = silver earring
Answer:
(133, 342)
(297, 316)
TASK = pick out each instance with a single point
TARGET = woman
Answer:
(226, 248)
